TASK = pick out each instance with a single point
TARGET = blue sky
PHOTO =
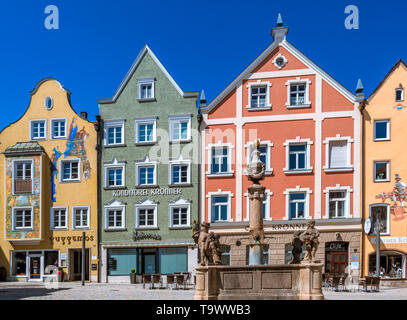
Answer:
(203, 44)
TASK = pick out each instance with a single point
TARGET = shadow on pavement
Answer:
(17, 293)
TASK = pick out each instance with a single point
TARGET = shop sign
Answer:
(288, 226)
(336, 246)
(390, 240)
(145, 192)
(71, 239)
(143, 236)
(94, 266)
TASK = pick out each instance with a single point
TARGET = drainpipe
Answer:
(362, 250)
(98, 128)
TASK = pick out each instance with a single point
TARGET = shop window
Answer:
(392, 265)
(121, 261)
(225, 254)
(19, 260)
(265, 258)
(289, 253)
(51, 262)
(173, 260)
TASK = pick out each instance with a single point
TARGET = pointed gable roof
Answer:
(133, 68)
(397, 64)
(294, 51)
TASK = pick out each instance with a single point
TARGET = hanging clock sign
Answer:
(368, 226)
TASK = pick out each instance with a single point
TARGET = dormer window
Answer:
(400, 94)
(146, 89)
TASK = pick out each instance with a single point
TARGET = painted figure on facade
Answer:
(75, 146)
(297, 248)
(310, 238)
(398, 195)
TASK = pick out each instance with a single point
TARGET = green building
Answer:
(149, 174)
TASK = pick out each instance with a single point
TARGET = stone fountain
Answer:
(299, 280)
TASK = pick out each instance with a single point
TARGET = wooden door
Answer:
(336, 262)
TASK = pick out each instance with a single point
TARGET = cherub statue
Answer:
(213, 245)
(297, 248)
(203, 244)
(195, 231)
(310, 238)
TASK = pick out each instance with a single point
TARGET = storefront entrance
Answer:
(392, 265)
(35, 262)
(336, 258)
(149, 263)
(75, 264)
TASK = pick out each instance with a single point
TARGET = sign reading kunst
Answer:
(144, 192)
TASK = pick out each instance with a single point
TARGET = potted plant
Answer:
(60, 274)
(133, 276)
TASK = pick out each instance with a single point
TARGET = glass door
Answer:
(35, 268)
(149, 263)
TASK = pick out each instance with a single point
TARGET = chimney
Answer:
(279, 33)
(84, 115)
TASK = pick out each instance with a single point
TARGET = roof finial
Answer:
(359, 87)
(202, 100)
(279, 21)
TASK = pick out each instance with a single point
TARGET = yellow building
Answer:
(385, 169)
(48, 168)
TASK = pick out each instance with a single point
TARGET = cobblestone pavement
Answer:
(99, 291)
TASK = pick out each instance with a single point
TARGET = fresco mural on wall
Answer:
(75, 147)
(398, 195)
(31, 200)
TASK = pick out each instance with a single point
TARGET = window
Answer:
(399, 94)
(81, 217)
(121, 261)
(298, 93)
(179, 216)
(225, 254)
(19, 263)
(23, 218)
(173, 260)
(22, 177)
(265, 255)
(58, 128)
(48, 103)
(259, 96)
(280, 61)
(70, 170)
(146, 130)
(265, 156)
(146, 214)
(220, 160)
(180, 174)
(146, 175)
(337, 204)
(220, 208)
(381, 130)
(114, 132)
(114, 177)
(383, 212)
(38, 129)
(180, 128)
(338, 154)
(114, 218)
(297, 205)
(146, 89)
(298, 157)
(59, 218)
(381, 171)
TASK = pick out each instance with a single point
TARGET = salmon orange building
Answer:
(309, 127)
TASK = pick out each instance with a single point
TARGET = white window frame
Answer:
(298, 141)
(115, 164)
(180, 118)
(250, 148)
(112, 124)
(209, 148)
(387, 162)
(147, 81)
(51, 133)
(146, 121)
(220, 193)
(14, 162)
(402, 94)
(115, 205)
(347, 206)
(14, 212)
(52, 213)
(297, 189)
(388, 130)
(32, 129)
(175, 162)
(73, 218)
(388, 216)
(338, 138)
(298, 81)
(61, 170)
(267, 195)
(146, 163)
(278, 57)
(180, 203)
(257, 84)
(146, 204)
